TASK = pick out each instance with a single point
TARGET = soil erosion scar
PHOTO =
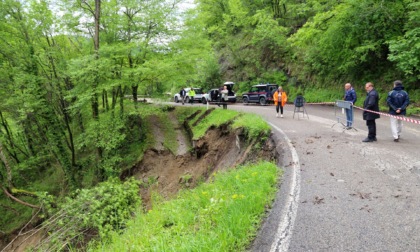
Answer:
(285, 229)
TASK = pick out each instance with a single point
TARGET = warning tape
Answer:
(308, 103)
(403, 118)
(320, 103)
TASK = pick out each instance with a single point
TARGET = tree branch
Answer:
(8, 194)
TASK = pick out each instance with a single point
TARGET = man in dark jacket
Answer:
(349, 96)
(371, 103)
(182, 94)
(398, 101)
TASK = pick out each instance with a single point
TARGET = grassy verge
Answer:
(257, 128)
(253, 125)
(170, 134)
(219, 216)
(216, 118)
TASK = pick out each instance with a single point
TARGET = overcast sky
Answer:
(187, 4)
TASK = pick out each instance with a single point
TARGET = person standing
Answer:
(397, 101)
(191, 94)
(280, 99)
(371, 103)
(349, 96)
(182, 94)
(224, 97)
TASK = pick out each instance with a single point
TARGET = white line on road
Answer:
(285, 229)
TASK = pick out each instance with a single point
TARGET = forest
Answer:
(71, 72)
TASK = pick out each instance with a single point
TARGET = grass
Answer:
(222, 215)
(216, 118)
(253, 130)
(14, 214)
(170, 135)
(253, 125)
(182, 113)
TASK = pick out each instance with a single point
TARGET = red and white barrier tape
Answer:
(320, 103)
(314, 103)
(403, 118)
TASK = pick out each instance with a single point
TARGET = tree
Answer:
(350, 41)
(405, 49)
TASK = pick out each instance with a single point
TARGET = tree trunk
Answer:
(6, 164)
(135, 95)
(122, 92)
(9, 137)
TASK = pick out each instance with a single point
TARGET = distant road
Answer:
(341, 194)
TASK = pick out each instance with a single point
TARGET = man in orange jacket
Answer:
(280, 99)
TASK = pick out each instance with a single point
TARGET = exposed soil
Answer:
(23, 241)
(219, 149)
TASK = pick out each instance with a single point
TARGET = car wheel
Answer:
(176, 99)
(203, 100)
(263, 101)
(245, 100)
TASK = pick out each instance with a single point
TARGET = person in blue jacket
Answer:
(398, 101)
(350, 96)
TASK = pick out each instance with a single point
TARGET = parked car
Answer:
(213, 95)
(261, 93)
(197, 97)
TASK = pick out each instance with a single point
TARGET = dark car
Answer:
(261, 93)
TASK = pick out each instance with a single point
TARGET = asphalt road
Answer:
(337, 193)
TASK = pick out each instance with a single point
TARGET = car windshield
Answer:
(272, 88)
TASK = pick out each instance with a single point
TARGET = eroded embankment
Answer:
(220, 148)
(166, 173)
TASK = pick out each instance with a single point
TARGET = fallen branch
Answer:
(8, 194)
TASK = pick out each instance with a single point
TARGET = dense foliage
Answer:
(308, 45)
(105, 209)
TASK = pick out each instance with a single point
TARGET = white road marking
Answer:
(284, 232)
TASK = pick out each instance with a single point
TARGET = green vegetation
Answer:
(216, 118)
(314, 47)
(105, 208)
(253, 125)
(219, 216)
(170, 134)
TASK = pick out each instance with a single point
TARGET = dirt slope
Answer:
(219, 149)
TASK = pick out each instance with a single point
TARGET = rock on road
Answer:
(337, 193)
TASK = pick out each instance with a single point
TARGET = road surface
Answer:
(338, 193)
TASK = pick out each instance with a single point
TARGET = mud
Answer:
(220, 149)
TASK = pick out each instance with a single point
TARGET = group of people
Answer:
(191, 93)
(183, 95)
(397, 101)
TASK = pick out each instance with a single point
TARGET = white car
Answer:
(199, 96)
(214, 94)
